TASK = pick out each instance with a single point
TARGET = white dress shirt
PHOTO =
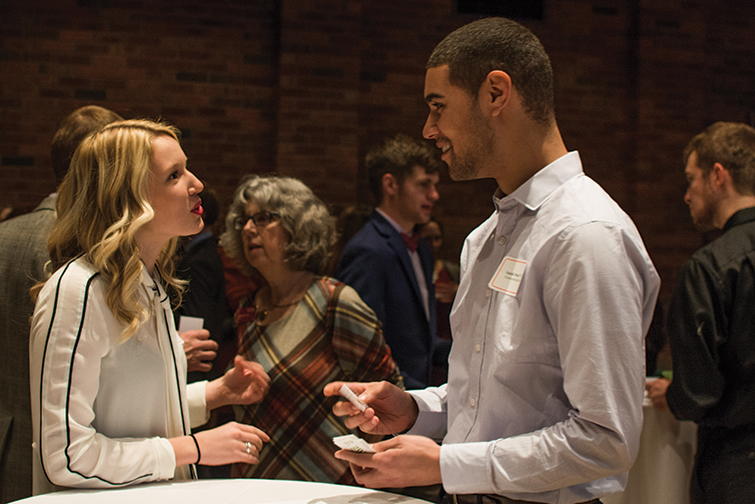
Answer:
(546, 374)
(102, 409)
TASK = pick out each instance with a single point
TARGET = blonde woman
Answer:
(110, 405)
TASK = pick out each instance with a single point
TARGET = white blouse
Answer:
(102, 410)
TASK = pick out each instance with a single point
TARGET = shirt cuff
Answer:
(432, 420)
(166, 458)
(197, 398)
(465, 468)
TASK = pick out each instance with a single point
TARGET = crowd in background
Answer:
(172, 338)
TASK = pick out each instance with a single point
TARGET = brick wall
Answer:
(306, 87)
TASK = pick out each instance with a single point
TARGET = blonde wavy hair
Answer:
(102, 203)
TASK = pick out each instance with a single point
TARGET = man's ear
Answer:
(390, 185)
(495, 91)
(720, 177)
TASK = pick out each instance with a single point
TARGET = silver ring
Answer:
(248, 448)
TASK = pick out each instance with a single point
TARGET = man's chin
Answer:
(703, 225)
(460, 172)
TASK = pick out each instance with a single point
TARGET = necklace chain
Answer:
(284, 305)
(262, 315)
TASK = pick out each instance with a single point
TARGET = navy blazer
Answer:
(376, 264)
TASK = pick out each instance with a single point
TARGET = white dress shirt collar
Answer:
(538, 188)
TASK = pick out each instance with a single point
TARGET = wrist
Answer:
(199, 452)
(414, 411)
(413, 414)
(213, 394)
(184, 450)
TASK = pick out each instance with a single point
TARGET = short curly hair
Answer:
(398, 155)
(302, 214)
(476, 49)
(731, 144)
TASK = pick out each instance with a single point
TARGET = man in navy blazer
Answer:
(394, 274)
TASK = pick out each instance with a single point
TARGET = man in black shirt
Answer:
(711, 319)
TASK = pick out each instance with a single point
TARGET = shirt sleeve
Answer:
(432, 420)
(69, 338)
(197, 399)
(694, 337)
(597, 289)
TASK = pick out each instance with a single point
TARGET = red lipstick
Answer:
(198, 209)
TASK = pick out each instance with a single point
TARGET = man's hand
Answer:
(389, 410)
(399, 462)
(199, 348)
(656, 390)
(245, 383)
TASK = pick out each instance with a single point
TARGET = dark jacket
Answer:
(376, 264)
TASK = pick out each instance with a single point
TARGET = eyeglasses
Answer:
(260, 219)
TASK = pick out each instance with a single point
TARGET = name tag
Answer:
(508, 276)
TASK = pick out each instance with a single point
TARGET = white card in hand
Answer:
(353, 443)
(186, 323)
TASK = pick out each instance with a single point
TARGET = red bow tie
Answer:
(411, 241)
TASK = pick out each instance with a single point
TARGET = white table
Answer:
(226, 491)
(663, 468)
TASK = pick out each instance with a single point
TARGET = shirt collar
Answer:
(740, 217)
(394, 223)
(153, 283)
(538, 188)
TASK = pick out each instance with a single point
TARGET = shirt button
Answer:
(502, 240)
(472, 402)
(477, 347)
(487, 293)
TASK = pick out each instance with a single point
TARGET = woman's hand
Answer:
(245, 383)
(227, 444)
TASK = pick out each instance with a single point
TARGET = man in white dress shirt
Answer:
(546, 374)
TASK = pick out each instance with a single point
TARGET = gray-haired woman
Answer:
(305, 329)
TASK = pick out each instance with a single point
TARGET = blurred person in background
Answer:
(387, 263)
(303, 328)
(349, 221)
(23, 255)
(711, 322)
(446, 283)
